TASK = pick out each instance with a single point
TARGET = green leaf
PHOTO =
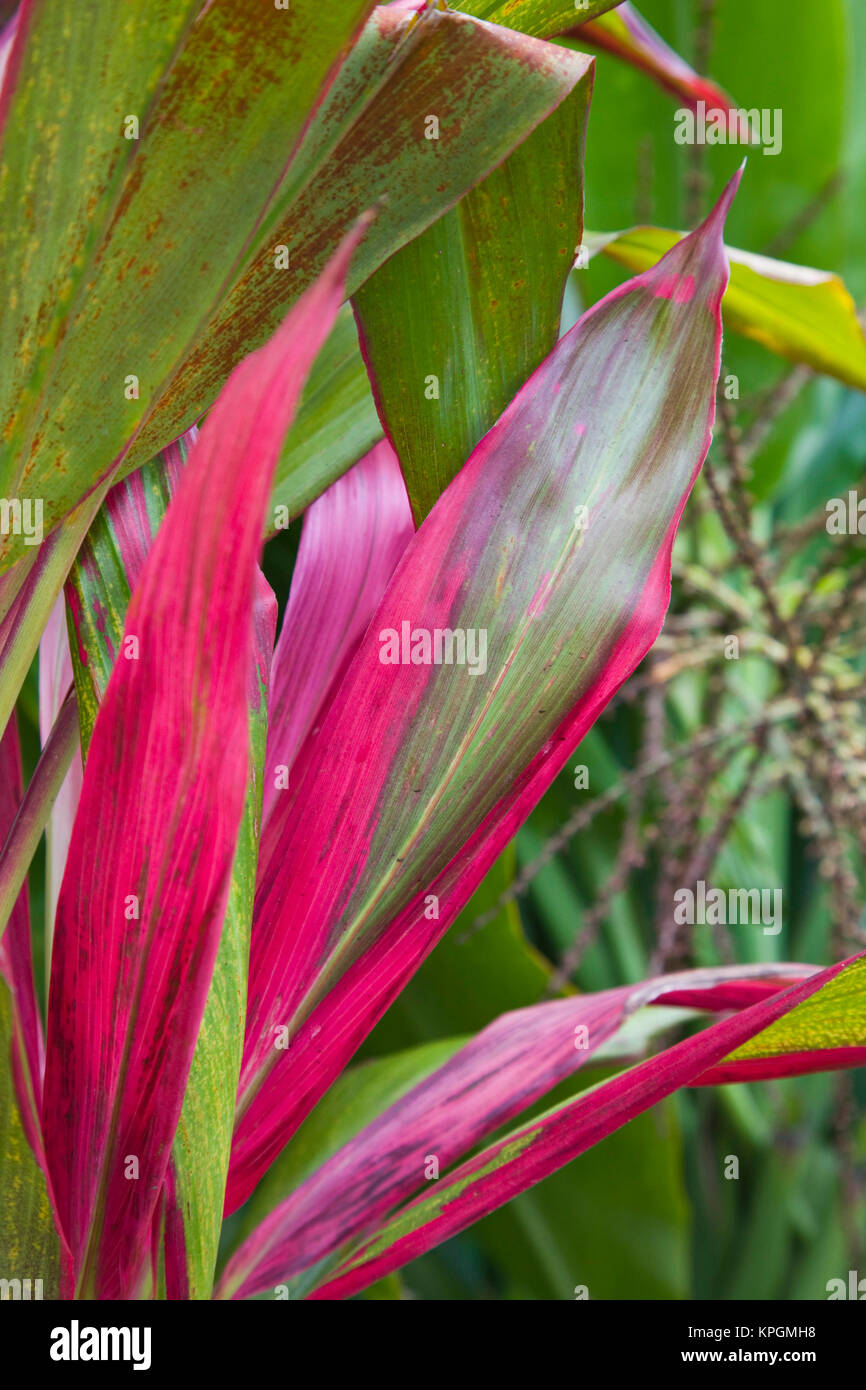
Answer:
(29, 1247)
(113, 247)
(336, 424)
(834, 1017)
(35, 583)
(455, 322)
(803, 314)
(543, 18)
(165, 263)
(200, 1155)
(369, 142)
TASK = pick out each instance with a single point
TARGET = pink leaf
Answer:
(527, 1155)
(353, 536)
(625, 33)
(502, 1071)
(419, 775)
(144, 894)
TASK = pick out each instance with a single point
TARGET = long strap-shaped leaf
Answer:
(529, 1154)
(55, 678)
(107, 568)
(16, 962)
(502, 1071)
(179, 120)
(552, 548)
(143, 898)
(202, 1144)
(257, 137)
(626, 34)
(540, 17)
(353, 537)
(29, 1246)
(454, 323)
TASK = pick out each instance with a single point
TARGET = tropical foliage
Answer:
(345, 481)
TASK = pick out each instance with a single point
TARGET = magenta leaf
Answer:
(625, 33)
(549, 555)
(508, 1066)
(353, 536)
(525, 1156)
(142, 902)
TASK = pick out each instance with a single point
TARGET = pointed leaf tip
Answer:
(718, 216)
(698, 258)
(331, 283)
(709, 234)
(639, 367)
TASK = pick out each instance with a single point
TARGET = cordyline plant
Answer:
(267, 839)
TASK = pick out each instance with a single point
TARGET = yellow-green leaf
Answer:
(833, 1017)
(29, 1247)
(803, 314)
